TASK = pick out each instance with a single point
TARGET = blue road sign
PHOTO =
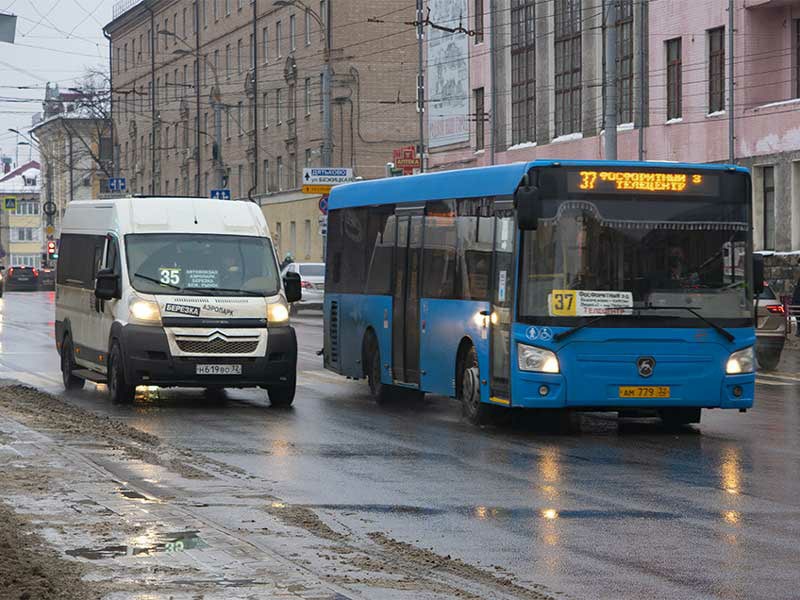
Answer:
(11, 204)
(221, 194)
(117, 184)
(323, 205)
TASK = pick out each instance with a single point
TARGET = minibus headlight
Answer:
(277, 314)
(531, 358)
(144, 312)
(741, 361)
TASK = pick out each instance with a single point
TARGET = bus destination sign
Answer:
(657, 182)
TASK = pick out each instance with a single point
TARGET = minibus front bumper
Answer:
(148, 361)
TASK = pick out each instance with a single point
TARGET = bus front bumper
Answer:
(542, 390)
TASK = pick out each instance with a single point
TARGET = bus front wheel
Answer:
(475, 411)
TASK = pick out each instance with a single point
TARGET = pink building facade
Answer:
(536, 91)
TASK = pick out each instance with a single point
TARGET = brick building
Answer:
(269, 102)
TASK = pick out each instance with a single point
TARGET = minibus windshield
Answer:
(224, 265)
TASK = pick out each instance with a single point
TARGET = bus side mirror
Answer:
(107, 285)
(758, 274)
(291, 285)
(528, 201)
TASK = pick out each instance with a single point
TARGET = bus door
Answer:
(502, 298)
(405, 305)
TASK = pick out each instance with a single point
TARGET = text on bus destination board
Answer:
(642, 181)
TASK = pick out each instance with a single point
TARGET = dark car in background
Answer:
(21, 279)
(770, 328)
(47, 279)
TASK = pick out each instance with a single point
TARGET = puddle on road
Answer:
(147, 545)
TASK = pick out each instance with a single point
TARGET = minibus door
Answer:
(405, 302)
(502, 299)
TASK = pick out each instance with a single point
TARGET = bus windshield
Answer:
(227, 265)
(599, 252)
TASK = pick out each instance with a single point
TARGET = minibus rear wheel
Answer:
(71, 382)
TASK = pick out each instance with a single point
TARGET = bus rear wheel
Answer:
(475, 411)
(374, 368)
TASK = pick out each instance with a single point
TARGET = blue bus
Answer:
(552, 285)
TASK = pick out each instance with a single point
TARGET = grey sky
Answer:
(56, 41)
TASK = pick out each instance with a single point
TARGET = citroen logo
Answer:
(646, 365)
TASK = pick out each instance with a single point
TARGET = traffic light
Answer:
(51, 248)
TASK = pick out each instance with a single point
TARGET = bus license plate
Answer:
(644, 391)
(219, 369)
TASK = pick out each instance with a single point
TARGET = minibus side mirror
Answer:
(758, 274)
(106, 286)
(291, 285)
(528, 201)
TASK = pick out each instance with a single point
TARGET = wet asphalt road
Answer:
(624, 509)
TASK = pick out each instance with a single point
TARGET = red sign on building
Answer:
(405, 158)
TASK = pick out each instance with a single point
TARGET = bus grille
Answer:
(333, 334)
(217, 346)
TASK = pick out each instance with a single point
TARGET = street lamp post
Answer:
(325, 30)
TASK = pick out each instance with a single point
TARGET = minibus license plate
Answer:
(644, 391)
(219, 369)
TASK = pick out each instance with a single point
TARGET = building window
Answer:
(674, 79)
(290, 104)
(292, 31)
(227, 8)
(228, 122)
(277, 237)
(239, 56)
(265, 43)
(27, 207)
(625, 61)
(25, 234)
(205, 127)
(25, 260)
(480, 116)
(228, 65)
(240, 116)
(321, 91)
(769, 207)
(716, 70)
(278, 34)
(125, 57)
(307, 237)
(278, 105)
(265, 104)
(240, 181)
(293, 237)
(478, 21)
(308, 158)
(266, 175)
(797, 58)
(252, 52)
(308, 26)
(568, 66)
(523, 71)
(307, 96)
(279, 174)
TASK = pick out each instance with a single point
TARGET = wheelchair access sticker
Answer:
(544, 334)
(588, 303)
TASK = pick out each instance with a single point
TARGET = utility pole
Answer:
(731, 137)
(642, 67)
(198, 155)
(420, 86)
(492, 69)
(611, 81)
(255, 99)
(219, 166)
(327, 121)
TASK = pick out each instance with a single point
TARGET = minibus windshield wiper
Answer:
(228, 290)
(722, 331)
(154, 280)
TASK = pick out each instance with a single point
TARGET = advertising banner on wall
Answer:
(448, 75)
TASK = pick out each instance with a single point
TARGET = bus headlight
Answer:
(531, 358)
(277, 314)
(144, 312)
(741, 361)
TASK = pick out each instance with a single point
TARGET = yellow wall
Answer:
(280, 216)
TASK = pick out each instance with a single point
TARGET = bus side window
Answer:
(439, 254)
(475, 240)
(380, 249)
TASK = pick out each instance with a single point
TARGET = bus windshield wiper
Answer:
(565, 334)
(218, 289)
(721, 330)
(158, 281)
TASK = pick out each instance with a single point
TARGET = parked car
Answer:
(312, 281)
(47, 279)
(770, 329)
(22, 278)
(2, 280)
